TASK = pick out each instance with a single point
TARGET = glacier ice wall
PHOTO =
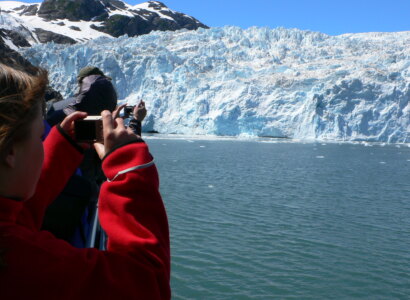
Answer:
(255, 82)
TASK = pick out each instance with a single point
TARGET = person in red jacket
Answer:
(36, 265)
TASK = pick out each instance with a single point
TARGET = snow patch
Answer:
(145, 6)
(12, 5)
(10, 44)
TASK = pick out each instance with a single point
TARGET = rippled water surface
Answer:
(255, 220)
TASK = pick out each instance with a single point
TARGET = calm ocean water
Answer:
(255, 220)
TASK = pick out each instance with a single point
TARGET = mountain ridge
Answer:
(69, 22)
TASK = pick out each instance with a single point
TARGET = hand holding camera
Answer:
(140, 112)
(115, 134)
(90, 129)
(69, 126)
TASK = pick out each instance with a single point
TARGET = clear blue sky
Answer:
(328, 16)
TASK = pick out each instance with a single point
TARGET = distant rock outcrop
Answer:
(73, 10)
(16, 37)
(45, 36)
(13, 59)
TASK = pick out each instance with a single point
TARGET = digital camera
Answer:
(89, 130)
(128, 111)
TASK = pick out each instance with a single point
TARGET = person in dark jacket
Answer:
(95, 94)
(71, 215)
(65, 216)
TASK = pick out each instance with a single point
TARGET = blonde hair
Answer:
(21, 94)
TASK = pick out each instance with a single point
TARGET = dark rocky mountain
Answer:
(13, 59)
(72, 21)
(45, 36)
(80, 20)
(72, 10)
(15, 37)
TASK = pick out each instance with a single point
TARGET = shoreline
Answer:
(173, 136)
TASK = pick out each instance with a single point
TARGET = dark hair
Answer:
(21, 94)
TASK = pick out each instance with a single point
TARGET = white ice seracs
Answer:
(255, 82)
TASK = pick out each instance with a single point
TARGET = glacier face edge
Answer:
(254, 82)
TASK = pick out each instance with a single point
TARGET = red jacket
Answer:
(137, 262)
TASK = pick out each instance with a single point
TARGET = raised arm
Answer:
(131, 210)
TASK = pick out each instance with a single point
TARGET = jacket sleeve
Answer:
(131, 210)
(136, 126)
(61, 158)
(136, 264)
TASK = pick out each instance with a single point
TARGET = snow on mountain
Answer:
(255, 82)
(81, 20)
(9, 23)
(13, 10)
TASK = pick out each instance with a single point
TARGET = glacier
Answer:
(255, 82)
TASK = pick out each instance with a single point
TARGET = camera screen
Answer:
(85, 131)
(128, 111)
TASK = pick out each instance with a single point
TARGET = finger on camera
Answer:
(67, 123)
(119, 122)
(116, 112)
(107, 121)
(100, 149)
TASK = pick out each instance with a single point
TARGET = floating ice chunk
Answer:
(320, 156)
